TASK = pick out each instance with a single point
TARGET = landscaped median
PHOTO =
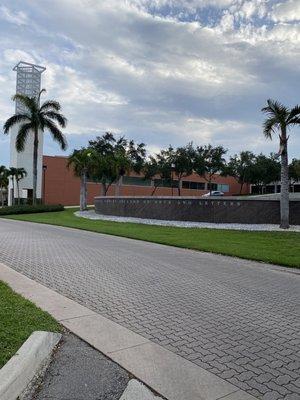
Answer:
(282, 248)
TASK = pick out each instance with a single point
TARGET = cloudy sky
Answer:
(159, 71)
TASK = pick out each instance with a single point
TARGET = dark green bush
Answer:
(29, 209)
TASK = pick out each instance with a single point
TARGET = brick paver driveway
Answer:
(235, 318)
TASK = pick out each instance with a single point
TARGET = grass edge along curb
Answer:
(20, 370)
(19, 319)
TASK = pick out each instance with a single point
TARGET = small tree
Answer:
(12, 172)
(129, 156)
(116, 157)
(4, 174)
(239, 166)
(82, 163)
(264, 170)
(183, 160)
(279, 119)
(20, 173)
(209, 161)
(158, 166)
(103, 171)
(294, 170)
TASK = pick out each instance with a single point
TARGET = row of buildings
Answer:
(60, 185)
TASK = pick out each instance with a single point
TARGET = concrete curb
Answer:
(25, 364)
(135, 390)
(168, 374)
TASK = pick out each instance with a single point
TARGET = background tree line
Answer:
(107, 159)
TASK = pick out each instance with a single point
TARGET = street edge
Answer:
(19, 371)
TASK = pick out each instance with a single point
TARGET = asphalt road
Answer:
(77, 371)
(235, 318)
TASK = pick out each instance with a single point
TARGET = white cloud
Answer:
(227, 22)
(191, 5)
(286, 11)
(127, 67)
(14, 17)
(74, 89)
(13, 56)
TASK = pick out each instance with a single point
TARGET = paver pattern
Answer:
(235, 318)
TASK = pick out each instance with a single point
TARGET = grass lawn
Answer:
(281, 248)
(19, 318)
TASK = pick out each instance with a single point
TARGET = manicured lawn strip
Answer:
(19, 318)
(281, 248)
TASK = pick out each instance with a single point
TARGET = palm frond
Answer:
(294, 113)
(50, 104)
(15, 119)
(61, 119)
(276, 109)
(56, 133)
(22, 136)
(21, 173)
(269, 127)
(294, 121)
(28, 102)
(39, 95)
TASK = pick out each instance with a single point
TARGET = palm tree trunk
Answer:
(2, 197)
(13, 191)
(35, 158)
(284, 194)
(18, 191)
(83, 192)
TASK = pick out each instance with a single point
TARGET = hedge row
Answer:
(29, 209)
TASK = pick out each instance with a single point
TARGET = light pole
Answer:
(44, 182)
(172, 171)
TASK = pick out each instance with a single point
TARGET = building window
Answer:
(223, 187)
(165, 183)
(212, 186)
(193, 185)
(136, 181)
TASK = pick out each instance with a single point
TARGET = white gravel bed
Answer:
(90, 214)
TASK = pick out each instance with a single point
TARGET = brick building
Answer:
(61, 186)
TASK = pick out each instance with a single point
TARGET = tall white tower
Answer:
(29, 84)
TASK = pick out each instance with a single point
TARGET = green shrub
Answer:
(29, 209)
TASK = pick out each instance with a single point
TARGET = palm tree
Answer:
(37, 119)
(280, 118)
(20, 173)
(4, 173)
(12, 174)
(82, 162)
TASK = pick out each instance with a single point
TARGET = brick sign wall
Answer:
(223, 210)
